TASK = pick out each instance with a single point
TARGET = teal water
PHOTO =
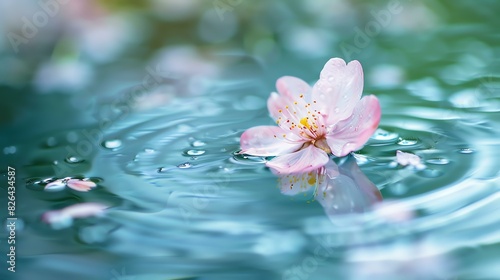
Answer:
(183, 203)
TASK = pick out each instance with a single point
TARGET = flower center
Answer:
(305, 122)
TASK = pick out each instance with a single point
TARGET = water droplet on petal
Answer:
(112, 144)
(330, 79)
(184, 165)
(337, 109)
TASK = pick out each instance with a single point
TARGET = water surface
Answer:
(183, 204)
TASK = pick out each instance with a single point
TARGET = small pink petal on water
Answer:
(81, 185)
(409, 159)
(305, 160)
(268, 141)
(351, 134)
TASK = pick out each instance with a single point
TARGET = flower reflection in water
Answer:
(340, 188)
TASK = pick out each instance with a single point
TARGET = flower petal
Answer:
(293, 87)
(81, 185)
(286, 112)
(268, 141)
(351, 134)
(274, 104)
(409, 159)
(305, 160)
(338, 89)
(278, 105)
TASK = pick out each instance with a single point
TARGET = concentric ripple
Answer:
(181, 191)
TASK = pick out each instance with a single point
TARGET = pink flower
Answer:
(80, 185)
(329, 118)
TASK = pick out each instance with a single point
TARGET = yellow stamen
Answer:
(304, 122)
